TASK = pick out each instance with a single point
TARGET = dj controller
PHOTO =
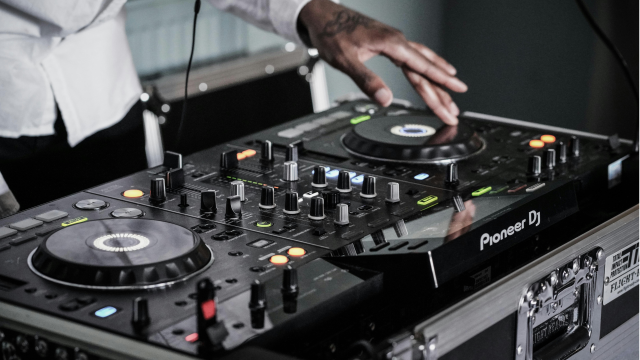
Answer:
(301, 240)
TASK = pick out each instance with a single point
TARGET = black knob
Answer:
(575, 146)
(344, 181)
(561, 150)
(140, 314)
(208, 202)
(451, 174)
(267, 198)
(292, 152)
(535, 165)
(369, 187)
(229, 159)
(172, 160)
(234, 207)
(183, 201)
(290, 280)
(319, 176)
(331, 198)
(291, 205)
(316, 208)
(258, 304)
(549, 158)
(267, 151)
(174, 178)
(158, 191)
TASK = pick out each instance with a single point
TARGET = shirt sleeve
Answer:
(277, 16)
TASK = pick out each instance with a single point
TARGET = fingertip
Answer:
(453, 109)
(383, 96)
(452, 71)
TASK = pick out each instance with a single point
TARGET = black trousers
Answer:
(40, 169)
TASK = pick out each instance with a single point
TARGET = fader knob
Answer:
(534, 166)
(319, 177)
(267, 198)
(369, 187)
(267, 151)
(290, 281)
(316, 208)
(393, 192)
(291, 205)
(237, 188)
(344, 181)
(257, 304)
(341, 215)
(292, 152)
(184, 201)
(549, 158)
(140, 313)
(290, 171)
(208, 202)
(575, 146)
(561, 150)
(451, 174)
(158, 191)
(234, 207)
(229, 159)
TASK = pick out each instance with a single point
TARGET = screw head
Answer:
(553, 279)
(593, 348)
(599, 299)
(565, 275)
(575, 266)
(432, 347)
(529, 295)
(554, 305)
(519, 349)
(587, 261)
(606, 280)
(599, 254)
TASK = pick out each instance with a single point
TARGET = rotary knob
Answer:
(344, 181)
(267, 151)
(369, 187)
(158, 191)
(258, 304)
(393, 192)
(341, 215)
(319, 177)
(290, 171)
(267, 198)
(237, 188)
(140, 314)
(290, 281)
(549, 157)
(575, 146)
(208, 202)
(451, 174)
(316, 208)
(234, 207)
(292, 153)
(561, 150)
(535, 165)
(291, 205)
(331, 198)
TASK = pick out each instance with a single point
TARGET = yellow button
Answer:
(537, 144)
(296, 251)
(279, 259)
(548, 139)
(249, 152)
(133, 193)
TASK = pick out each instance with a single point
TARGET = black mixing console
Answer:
(268, 237)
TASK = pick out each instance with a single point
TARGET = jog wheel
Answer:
(416, 139)
(120, 254)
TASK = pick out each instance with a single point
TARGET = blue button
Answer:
(352, 174)
(421, 176)
(333, 173)
(105, 312)
(358, 179)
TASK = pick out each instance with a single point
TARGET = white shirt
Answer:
(75, 53)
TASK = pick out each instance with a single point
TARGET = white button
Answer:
(307, 126)
(290, 133)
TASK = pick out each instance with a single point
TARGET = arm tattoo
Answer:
(344, 21)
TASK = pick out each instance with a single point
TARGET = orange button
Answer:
(133, 193)
(296, 251)
(548, 138)
(241, 156)
(249, 152)
(279, 259)
(536, 144)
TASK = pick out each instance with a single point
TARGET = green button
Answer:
(428, 200)
(498, 190)
(74, 221)
(263, 224)
(359, 119)
(482, 191)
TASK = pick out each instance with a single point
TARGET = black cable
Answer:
(618, 56)
(196, 10)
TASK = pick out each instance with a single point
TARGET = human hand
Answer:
(346, 39)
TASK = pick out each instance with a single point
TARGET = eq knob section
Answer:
(290, 171)
(344, 181)
(319, 177)
(158, 191)
(291, 205)
(267, 198)
(316, 208)
(369, 187)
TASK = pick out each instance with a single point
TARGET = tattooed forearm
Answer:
(344, 21)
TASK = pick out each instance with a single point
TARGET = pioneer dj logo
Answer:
(487, 239)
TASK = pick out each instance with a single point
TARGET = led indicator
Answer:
(359, 119)
(191, 337)
(482, 191)
(548, 139)
(421, 176)
(428, 200)
(105, 312)
(279, 259)
(133, 193)
(333, 173)
(296, 251)
(249, 152)
(358, 179)
(536, 144)
(263, 224)
(241, 156)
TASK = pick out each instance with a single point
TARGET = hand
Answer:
(346, 39)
